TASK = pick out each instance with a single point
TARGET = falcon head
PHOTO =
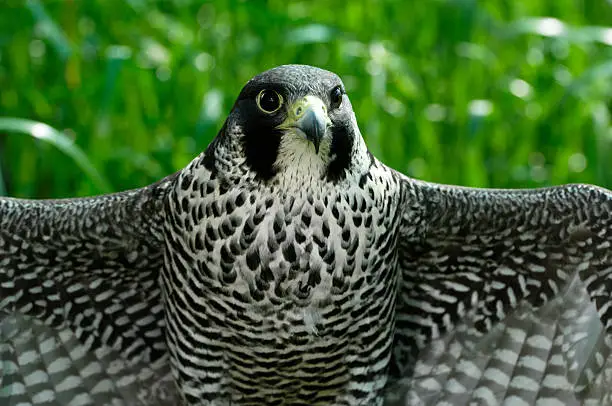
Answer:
(294, 123)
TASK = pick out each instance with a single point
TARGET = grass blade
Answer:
(50, 135)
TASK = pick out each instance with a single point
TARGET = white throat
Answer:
(297, 163)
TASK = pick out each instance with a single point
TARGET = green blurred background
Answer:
(495, 93)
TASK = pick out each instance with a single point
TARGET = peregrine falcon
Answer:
(286, 265)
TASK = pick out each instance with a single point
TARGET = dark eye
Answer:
(336, 97)
(269, 101)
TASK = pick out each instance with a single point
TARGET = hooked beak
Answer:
(309, 115)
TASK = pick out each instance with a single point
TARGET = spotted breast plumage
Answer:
(286, 265)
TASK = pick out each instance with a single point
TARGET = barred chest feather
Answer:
(288, 288)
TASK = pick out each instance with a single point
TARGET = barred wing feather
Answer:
(504, 296)
(81, 318)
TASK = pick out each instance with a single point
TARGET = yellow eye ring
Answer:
(269, 101)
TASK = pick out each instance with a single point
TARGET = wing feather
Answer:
(504, 296)
(81, 319)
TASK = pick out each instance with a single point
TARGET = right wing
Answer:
(81, 316)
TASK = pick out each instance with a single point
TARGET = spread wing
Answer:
(81, 319)
(505, 296)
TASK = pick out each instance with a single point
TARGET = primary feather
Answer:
(286, 265)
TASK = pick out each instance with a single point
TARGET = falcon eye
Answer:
(269, 101)
(336, 97)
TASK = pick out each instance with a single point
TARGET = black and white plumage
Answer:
(286, 265)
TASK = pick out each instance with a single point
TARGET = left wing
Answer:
(504, 296)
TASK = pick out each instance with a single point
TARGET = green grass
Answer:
(494, 93)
